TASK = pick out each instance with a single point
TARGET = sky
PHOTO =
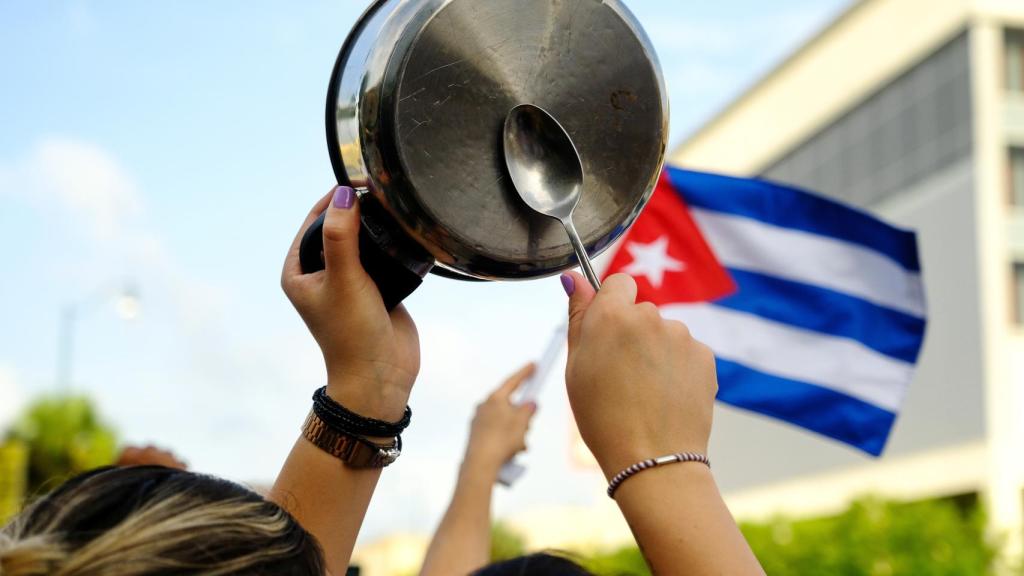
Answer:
(175, 146)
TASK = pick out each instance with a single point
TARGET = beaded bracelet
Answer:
(621, 477)
(344, 420)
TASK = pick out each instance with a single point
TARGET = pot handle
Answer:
(394, 280)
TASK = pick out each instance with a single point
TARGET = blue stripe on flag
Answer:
(789, 207)
(890, 332)
(827, 412)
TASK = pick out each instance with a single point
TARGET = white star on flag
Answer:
(652, 260)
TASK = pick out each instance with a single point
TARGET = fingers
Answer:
(580, 295)
(291, 262)
(402, 320)
(341, 236)
(149, 456)
(619, 288)
(525, 412)
(523, 417)
(514, 382)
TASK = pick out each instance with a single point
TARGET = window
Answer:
(1017, 176)
(1015, 61)
(1018, 292)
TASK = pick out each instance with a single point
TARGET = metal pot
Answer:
(415, 110)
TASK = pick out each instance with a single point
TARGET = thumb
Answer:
(341, 235)
(526, 410)
(580, 295)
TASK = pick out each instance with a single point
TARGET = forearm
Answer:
(371, 356)
(327, 497)
(462, 542)
(680, 520)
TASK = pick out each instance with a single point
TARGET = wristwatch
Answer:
(353, 451)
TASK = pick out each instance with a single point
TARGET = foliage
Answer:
(13, 474)
(506, 543)
(878, 538)
(871, 538)
(627, 561)
(65, 436)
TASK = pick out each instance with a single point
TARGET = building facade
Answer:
(913, 110)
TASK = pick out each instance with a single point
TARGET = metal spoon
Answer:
(547, 171)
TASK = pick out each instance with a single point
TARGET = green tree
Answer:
(506, 543)
(13, 476)
(626, 561)
(872, 537)
(65, 436)
(878, 538)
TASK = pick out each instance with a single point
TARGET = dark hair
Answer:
(539, 564)
(155, 521)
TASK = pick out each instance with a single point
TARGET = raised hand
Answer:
(640, 386)
(499, 427)
(372, 357)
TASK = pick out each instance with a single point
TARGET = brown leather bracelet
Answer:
(353, 451)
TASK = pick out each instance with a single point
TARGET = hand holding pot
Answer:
(640, 386)
(372, 356)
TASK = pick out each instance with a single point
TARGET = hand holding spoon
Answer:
(546, 170)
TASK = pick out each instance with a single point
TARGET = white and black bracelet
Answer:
(621, 477)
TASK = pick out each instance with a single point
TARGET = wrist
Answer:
(480, 463)
(369, 399)
(692, 476)
(613, 462)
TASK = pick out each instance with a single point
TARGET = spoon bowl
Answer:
(546, 171)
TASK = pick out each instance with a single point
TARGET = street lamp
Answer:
(126, 304)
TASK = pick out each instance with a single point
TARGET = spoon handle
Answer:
(581, 253)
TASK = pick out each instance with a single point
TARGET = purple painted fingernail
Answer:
(344, 197)
(569, 283)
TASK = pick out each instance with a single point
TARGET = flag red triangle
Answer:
(667, 254)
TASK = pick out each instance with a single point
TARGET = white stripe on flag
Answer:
(839, 364)
(802, 257)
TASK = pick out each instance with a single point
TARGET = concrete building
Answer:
(914, 110)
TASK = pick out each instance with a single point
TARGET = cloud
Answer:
(84, 179)
(87, 184)
(89, 200)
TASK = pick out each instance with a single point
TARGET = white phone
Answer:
(511, 471)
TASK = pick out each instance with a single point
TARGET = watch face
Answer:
(389, 455)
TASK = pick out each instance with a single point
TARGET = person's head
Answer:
(540, 564)
(154, 521)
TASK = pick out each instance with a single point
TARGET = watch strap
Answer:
(353, 451)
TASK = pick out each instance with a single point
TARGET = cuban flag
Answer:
(815, 310)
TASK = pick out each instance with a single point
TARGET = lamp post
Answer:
(127, 306)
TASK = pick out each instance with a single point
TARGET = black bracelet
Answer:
(344, 420)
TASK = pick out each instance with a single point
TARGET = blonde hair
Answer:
(150, 521)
